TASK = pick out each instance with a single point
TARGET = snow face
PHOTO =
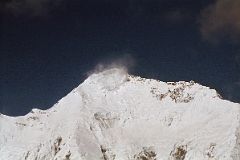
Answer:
(116, 116)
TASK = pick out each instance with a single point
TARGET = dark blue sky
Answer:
(47, 49)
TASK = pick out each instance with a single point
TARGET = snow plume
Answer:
(125, 63)
(111, 73)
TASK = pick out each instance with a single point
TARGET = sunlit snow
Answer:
(116, 116)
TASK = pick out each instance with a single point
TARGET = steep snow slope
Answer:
(115, 116)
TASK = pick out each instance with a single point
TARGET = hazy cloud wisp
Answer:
(30, 7)
(221, 19)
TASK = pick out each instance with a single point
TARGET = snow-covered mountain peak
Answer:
(116, 116)
(116, 78)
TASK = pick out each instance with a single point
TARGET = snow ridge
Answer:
(116, 116)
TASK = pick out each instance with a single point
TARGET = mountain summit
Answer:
(116, 116)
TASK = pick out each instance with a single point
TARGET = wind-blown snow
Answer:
(116, 116)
